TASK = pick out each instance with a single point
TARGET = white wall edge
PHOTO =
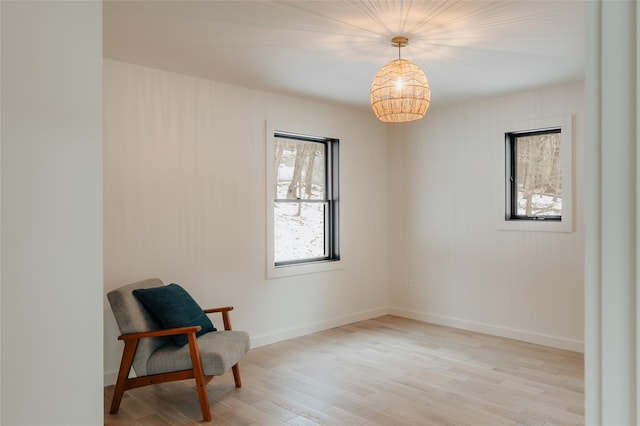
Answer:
(110, 377)
(525, 336)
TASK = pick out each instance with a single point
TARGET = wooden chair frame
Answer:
(124, 383)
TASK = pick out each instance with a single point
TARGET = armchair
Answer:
(155, 358)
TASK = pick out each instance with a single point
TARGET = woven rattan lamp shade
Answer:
(400, 91)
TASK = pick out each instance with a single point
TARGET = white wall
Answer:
(449, 263)
(179, 206)
(184, 198)
(51, 198)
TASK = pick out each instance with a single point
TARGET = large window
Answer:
(534, 175)
(305, 204)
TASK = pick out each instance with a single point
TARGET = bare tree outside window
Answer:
(303, 203)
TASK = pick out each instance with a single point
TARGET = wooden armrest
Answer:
(225, 315)
(214, 310)
(158, 333)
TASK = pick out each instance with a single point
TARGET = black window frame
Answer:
(331, 199)
(511, 199)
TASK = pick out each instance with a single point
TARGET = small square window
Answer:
(534, 175)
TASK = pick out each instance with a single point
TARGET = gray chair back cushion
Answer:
(132, 317)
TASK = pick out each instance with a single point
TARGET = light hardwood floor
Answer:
(384, 371)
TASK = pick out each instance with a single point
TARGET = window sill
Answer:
(536, 225)
(303, 268)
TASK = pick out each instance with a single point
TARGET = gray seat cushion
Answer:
(219, 351)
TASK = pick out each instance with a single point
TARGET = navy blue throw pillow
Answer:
(173, 307)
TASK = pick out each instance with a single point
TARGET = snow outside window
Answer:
(305, 202)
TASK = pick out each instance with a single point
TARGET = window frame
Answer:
(565, 124)
(333, 258)
(511, 210)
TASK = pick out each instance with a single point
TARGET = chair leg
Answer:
(201, 383)
(125, 366)
(236, 375)
(204, 399)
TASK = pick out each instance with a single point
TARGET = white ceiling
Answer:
(332, 49)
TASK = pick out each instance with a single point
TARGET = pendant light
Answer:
(400, 91)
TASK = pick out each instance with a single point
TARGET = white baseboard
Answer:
(525, 336)
(303, 330)
(110, 377)
(293, 332)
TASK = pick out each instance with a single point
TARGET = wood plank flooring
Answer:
(384, 371)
